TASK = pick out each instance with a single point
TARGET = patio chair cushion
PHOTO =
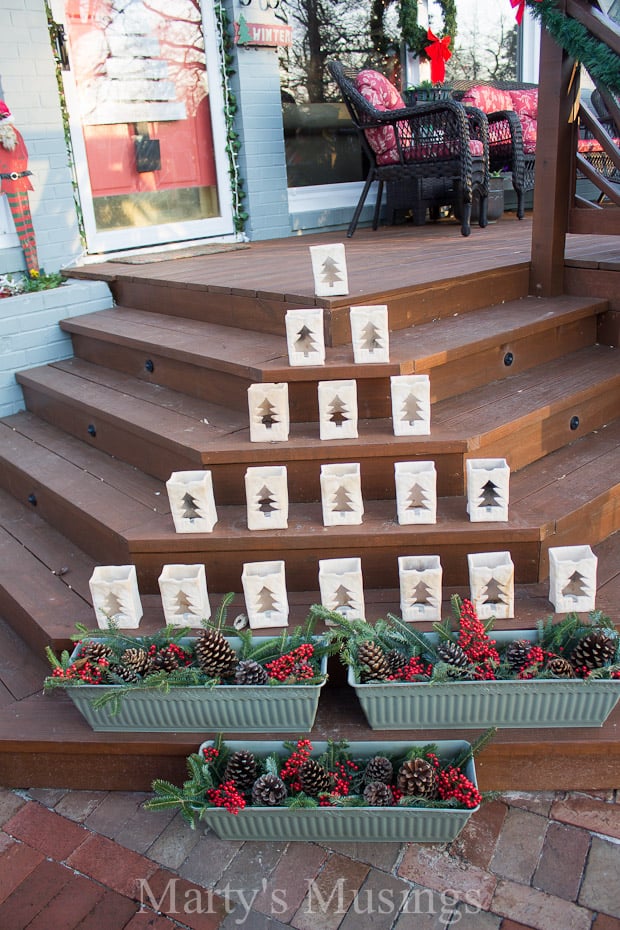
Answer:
(382, 95)
(524, 102)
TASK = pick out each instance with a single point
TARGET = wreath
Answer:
(416, 36)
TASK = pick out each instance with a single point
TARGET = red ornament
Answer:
(439, 53)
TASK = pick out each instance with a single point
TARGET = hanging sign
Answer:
(261, 23)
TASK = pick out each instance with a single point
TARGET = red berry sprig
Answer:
(476, 643)
(227, 796)
(290, 769)
(91, 672)
(210, 753)
(414, 668)
(533, 663)
(294, 665)
(451, 783)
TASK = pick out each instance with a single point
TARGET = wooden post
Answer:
(558, 95)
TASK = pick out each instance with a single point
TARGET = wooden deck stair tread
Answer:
(264, 357)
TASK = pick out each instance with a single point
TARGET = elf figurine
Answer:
(15, 183)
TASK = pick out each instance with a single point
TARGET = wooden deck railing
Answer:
(557, 208)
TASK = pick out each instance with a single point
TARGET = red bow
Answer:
(520, 5)
(439, 53)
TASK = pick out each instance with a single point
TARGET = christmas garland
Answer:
(233, 145)
(414, 35)
(600, 61)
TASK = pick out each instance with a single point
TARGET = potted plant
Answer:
(221, 679)
(426, 92)
(328, 791)
(565, 673)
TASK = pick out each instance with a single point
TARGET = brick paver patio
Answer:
(98, 861)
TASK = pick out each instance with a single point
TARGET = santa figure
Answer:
(15, 184)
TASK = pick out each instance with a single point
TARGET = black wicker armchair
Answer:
(415, 145)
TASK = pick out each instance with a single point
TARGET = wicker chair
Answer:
(429, 143)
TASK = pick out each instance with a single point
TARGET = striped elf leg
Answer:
(19, 206)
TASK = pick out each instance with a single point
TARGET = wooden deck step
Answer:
(213, 362)
(524, 418)
(160, 431)
(111, 517)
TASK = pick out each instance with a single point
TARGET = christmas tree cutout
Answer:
(305, 342)
(342, 501)
(112, 605)
(266, 601)
(183, 604)
(331, 271)
(267, 413)
(370, 337)
(411, 410)
(490, 496)
(417, 498)
(421, 594)
(493, 593)
(243, 34)
(266, 501)
(337, 411)
(576, 586)
(343, 599)
(191, 510)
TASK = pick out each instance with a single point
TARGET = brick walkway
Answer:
(98, 861)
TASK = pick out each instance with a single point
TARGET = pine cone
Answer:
(379, 769)
(594, 651)
(214, 654)
(395, 660)
(452, 654)
(249, 672)
(127, 674)
(136, 659)
(164, 660)
(560, 667)
(517, 653)
(93, 651)
(371, 658)
(268, 790)
(417, 777)
(241, 768)
(378, 794)
(314, 779)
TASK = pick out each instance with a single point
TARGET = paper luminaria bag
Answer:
(184, 595)
(411, 405)
(329, 267)
(337, 409)
(305, 337)
(115, 595)
(192, 503)
(416, 492)
(492, 582)
(266, 492)
(488, 482)
(269, 412)
(264, 589)
(370, 334)
(341, 494)
(342, 587)
(572, 578)
(420, 587)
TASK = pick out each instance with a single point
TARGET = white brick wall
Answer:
(30, 334)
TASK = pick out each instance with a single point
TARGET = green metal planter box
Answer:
(345, 824)
(226, 708)
(473, 704)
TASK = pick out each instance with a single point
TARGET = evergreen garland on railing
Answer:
(414, 35)
(600, 61)
(233, 145)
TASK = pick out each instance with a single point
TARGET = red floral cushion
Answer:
(525, 102)
(430, 152)
(591, 145)
(380, 94)
(488, 99)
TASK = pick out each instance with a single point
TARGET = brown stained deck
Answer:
(104, 495)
